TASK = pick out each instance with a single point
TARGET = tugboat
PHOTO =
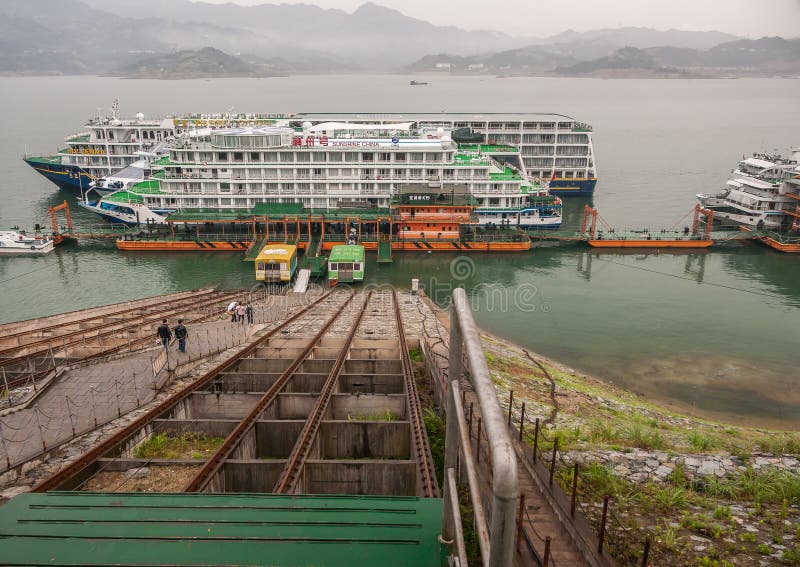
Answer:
(417, 83)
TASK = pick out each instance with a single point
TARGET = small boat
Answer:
(12, 242)
(417, 83)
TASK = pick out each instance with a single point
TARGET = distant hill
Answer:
(746, 57)
(193, 64)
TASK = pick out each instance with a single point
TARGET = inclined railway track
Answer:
(60, 331)
(425, 465)
(287, 483)
(322, 332)
(66, 477)
(21, 364)
(204, 477)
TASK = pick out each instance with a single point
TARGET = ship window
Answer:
(255, 156)
(224, 186)
(400, 156)
(366, 156)
(222, 156)
(238, 156)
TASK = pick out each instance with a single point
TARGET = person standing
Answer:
(240, 311)
(164, 333)
(232, 310)
(181, 333)
(249, 312)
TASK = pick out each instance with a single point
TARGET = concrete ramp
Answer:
(301, 282)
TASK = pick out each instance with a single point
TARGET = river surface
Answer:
(715, 334)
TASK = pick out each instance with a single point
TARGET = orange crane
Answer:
(58, 238)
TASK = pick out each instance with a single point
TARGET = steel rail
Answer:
(224, 451)
(90, 457)
(184, 305)
(13, 383)
(140, 308)
(425, 466)
(287, 482)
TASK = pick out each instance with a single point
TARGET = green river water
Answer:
(712, 333)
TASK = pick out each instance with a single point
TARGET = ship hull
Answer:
(568, 187)
(65, 176)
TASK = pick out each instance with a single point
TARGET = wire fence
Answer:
(29, 431)
(568, 482)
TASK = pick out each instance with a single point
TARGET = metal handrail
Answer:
(505, 484)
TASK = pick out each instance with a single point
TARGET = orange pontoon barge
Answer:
(421, 219)
(649, 239)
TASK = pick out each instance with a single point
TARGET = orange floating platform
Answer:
(636, 243)
(789, 247)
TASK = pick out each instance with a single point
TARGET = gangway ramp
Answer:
(301, 281)
(255, 249)
(384, 251)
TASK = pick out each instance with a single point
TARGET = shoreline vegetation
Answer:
(708, 493)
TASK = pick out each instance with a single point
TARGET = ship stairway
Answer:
(384, 251)
(301, 282)
(255, 248)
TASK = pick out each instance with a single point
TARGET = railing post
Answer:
(39, 425)
(522, 421)
(553, 460)
(602, 533)
(646, 552)
(5, 447)
(451, 441)
(116, 395)
(510, 405)
(574, 491)
(94, 411)
(5, 385)
(536, 440)
(546, 560)
(478, 448)
(469, 419)
(69, 413)
(520, 518)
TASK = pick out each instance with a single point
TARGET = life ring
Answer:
(33, 247)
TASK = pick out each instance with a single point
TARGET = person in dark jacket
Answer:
(164, 333)
(249, 312)
(181, 333)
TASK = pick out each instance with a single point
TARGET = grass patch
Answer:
(186, 446)
(374, 415)
(435, 427)
(700, 441)
(415, 355)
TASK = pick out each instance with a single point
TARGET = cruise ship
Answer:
(552, 147)
(332, 165)
(762, 193)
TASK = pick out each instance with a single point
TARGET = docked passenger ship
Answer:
(553, 147)
(762, 193)
(331, 165)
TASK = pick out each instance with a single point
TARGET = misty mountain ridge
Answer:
(120, 36)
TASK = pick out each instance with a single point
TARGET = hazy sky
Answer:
(750, 18)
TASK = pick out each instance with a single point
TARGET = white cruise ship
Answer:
(761, 192)
(330, 165)
(553, 147)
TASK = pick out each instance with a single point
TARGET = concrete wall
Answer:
(275, 439)
(205, 405)
(343, 405)
(246, 382)
(381, 366)
(251, 475)
(368, 384)
(211, 427)
(365, 440)
(397, 478)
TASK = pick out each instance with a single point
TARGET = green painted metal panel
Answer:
(219, 529)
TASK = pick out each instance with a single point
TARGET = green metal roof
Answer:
(82, 528)
(346, 253)
(274, 211)
(124, 197)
